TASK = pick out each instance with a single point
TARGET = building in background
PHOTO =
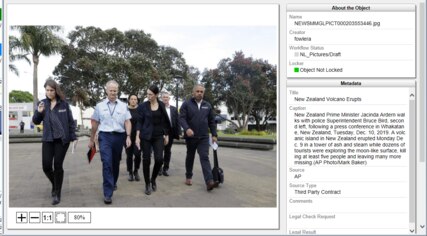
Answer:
(24, 112)
(18, 112)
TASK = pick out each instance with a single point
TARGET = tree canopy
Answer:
(17, 96)
(246, 85)
(132, 58)
(93, 56)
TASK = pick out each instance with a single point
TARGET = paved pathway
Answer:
(250, 180)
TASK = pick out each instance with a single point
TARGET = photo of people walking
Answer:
(150, 107)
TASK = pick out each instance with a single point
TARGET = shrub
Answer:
(229, 131)
(253, 132)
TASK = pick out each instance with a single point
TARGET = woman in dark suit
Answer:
(58, 131)
(152, 134)
(131, 162)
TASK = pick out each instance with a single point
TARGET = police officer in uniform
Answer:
(112, 118)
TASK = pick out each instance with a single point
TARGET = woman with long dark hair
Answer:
(58, 131)
(152, 134)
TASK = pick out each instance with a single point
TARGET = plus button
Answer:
(21, 217)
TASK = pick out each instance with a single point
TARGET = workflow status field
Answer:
(351, 40)
(351, 160)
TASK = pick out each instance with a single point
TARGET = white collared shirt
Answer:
(111, 115)
(168, 110)
(199, 103)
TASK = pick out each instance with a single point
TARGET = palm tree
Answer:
(37, 41)
(15, 45)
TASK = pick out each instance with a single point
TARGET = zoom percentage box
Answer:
(79, 217)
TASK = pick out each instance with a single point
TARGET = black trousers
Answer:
(156, 145)
(131, 162)
(53, 155)
(168, 154)
(201, 145)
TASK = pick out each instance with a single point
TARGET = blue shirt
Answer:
(111, 116)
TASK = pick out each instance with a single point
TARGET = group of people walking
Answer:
(142, 128)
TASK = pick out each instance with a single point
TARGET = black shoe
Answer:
(165, 173)
(108, 200)
(115, 187)
(210, 185)
(56, 200)
(153, 185)
(160, 173)
(135, 173)
(147, 189)
(130, 177)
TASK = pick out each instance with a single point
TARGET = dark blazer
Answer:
(176, 128)
(62, 110)
(145, 120)
(198, 120)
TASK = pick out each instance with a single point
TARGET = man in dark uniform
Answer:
(196, 117)
(174, 133)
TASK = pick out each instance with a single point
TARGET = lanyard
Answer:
(111, 113)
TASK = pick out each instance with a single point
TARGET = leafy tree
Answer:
(168, 63)
(37, 41)
(18, 96)
(266, 105)
(209, 80)
(247, 86)
(132, 58)
(189, 79)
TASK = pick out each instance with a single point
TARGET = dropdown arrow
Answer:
(411, 230)
(422, 226)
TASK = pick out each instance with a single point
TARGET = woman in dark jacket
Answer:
(58, 131)
(152, 134)
(131, 162)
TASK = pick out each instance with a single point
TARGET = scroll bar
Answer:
(412, 162)
(421, 166)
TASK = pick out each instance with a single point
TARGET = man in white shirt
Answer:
(112, 117)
